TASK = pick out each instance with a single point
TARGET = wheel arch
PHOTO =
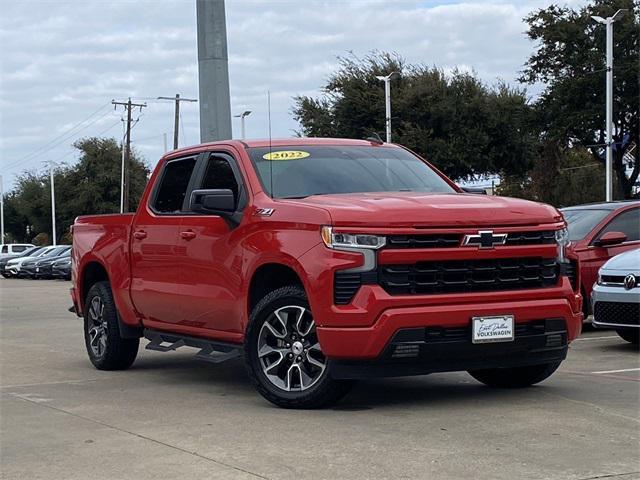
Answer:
(269, 277)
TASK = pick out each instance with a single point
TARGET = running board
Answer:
(210, 350)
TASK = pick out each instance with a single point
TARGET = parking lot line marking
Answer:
(595, 338)
(604, 372)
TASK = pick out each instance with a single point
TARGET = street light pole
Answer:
(242, 116)
(53, 205)
(1, 210)
(387, 101)
(608, 22)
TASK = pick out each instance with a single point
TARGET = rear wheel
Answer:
(517, 377)
(106, 348)
(631, 336)
(283, 356)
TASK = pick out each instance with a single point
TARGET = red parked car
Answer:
(598, 232)
(321, 261)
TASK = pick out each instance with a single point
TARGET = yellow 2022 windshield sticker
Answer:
(286, 155)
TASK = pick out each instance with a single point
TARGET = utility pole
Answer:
(1, 210)
(242, 116)
(53, 203)
(124, 187)
(608, 22)
(387, 101)
(176, 121)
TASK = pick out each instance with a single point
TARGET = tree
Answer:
(459, 124)
(570, 59)
(91, 186)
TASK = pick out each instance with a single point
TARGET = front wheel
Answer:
(106, 348)
(517, 377)
(631, 336)
(283, 355)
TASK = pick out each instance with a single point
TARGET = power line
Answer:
(59, 139)
(177, 116)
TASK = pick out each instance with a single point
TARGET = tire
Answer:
(517, 377)
(109, 350)
(631, 336)
(284, 385)
(6, 275)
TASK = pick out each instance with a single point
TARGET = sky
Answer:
(63, 62)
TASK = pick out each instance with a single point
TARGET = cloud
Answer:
(62, 60)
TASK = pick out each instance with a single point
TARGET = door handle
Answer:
(140, 234)
(188, 235)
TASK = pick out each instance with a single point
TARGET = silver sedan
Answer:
(616, 296)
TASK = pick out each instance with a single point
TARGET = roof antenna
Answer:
(270, 159)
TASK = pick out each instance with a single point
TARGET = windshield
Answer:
(56, 251)
(301, 171)
(581, 221)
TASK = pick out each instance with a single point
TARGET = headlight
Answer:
(562, 239)
(351, 240)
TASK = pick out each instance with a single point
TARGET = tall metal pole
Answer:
(387, 101)
(122, 171)
(213, 71)
(242, 127)
(387, 105)
(1, 210)
(609, 159)
(53, 205)
(608, 22)
(127, 160)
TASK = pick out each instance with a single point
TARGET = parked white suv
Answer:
(616, 296)
(10, 249)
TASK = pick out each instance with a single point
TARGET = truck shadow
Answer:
(230, 377)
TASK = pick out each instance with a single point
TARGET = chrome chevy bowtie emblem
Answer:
(485, 239)
(630, 282)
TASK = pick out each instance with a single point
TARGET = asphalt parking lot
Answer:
(172, 416)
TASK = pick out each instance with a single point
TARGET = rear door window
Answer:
(173, 186)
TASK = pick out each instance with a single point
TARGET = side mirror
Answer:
(478, 191)
(610, 238)
(215, 202)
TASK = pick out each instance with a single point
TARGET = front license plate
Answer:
(498, 328)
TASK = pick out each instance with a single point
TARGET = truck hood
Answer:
(415, 209)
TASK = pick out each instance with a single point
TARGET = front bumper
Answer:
(368, 343)
(418, 351)
(615, 307)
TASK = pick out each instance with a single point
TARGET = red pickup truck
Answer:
(321, 261)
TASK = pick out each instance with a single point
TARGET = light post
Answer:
(387, 101)
(1, 210)
(53, 204)
(242, 116)
(608, 22)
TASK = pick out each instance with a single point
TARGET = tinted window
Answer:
(54, 252)
(627, 222)
(219, 175)
(19, 248)
(5, 249)
(300, 171)
(581, 221)
(173, 186)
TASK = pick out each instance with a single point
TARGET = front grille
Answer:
(423, 241)
(455, 334)
(468, 276)
(617, 313)
(449, 240)
(613, 279)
